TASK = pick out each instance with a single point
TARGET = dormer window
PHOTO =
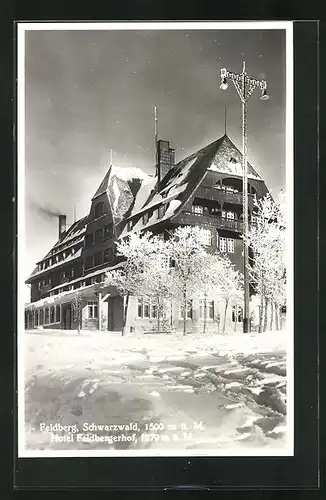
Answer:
(197, 209)
(145, 218)
(129, 225)
(108, 230)
(99, 209)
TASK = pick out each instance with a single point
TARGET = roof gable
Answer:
(228, 160)
(183, 179)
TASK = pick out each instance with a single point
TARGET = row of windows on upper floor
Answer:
(90, 239)
(69, 287)
(99, 258)
(60, 248)
(225, 214)
(56, 259)
(91, 261)
(160, 211)
(99, 235)
(64, 275)
(224, 244)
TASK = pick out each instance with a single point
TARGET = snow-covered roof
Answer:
(68, 259)
(52, 298)
(87, 276)
(182, 180)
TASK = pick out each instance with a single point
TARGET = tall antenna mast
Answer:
(224, 120)
(111, 157)
(74, 213)
(156, 148)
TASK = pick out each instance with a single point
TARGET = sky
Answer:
(87, 92)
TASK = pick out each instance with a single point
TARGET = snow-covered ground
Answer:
(235, 385)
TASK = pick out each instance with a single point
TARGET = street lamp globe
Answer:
(224, 85)
(264, 95)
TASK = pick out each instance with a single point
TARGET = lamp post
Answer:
(245, 87)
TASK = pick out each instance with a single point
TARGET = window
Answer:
(89, 240)
(72, 272)
(209, 309)
(92, 307)
(161, 211)
(230, 245)
(145, 218)
(89, 261)
(52, 315)
(98, 259)
(108, 254)
(223, 244)
(99, 235)
(36, 318)
(72, 251)
(99, 209)
(189, 310)
(64, 275)
(197, 209)
(41, 317)
(147, 309)
(224, 214)
(237, 314)
(206, 237)
(230, 215)
(108, 230)
(50, 262)
(129, 225)
(57, 314)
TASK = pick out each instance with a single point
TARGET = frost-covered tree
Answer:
(128, 280)
(145, 271)
(158, 282)
(190, 265)
(267, 239)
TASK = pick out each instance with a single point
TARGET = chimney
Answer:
(62, 225)
(166, 158)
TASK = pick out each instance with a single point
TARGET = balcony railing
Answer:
(192, 219)
(222, 195)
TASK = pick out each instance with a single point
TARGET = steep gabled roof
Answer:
(75, 232)
(121, 185)
(183, 179)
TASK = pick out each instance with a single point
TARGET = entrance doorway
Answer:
(115, 314)
(66, 316)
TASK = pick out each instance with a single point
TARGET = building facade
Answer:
(204, 189)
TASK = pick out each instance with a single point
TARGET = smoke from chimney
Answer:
(62, 225)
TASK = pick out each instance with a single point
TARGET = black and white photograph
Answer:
(155, 226)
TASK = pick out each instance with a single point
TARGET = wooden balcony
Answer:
(45, 289)
(222, 195)
(214, 221)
